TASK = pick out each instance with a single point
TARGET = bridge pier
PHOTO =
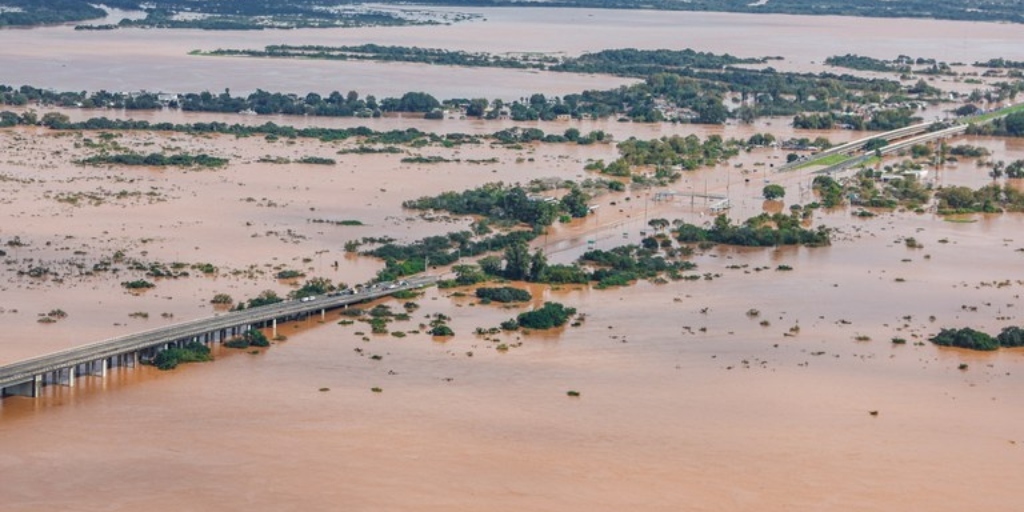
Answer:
(30, 376)
(29, 389)
(66, 377)
(96, 368)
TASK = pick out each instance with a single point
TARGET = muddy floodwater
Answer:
(747, 387)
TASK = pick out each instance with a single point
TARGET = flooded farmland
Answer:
(747, 388)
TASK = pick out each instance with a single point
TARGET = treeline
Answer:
(1000, 63)
(1011, 125)
(23, 13)
(258, 15)
(413, 258)
(622, 62)
(902, 64)
(408, 136)
(503, 294)
(310, 12)
(880, 120)
(862, 63)
(622, 265)
(155, 160)
(761, 231)
(689, 95)
(968, 10)
(993, 198)
(509, 203)
(644, 63)
(26, 94)
(865, 189)
(688, 152)
(619, 266)
(264, 18)
(271, 130)
(976, 340)
(382, 53)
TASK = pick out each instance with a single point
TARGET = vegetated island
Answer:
(977, 340)
(219, 15)
(675, 88)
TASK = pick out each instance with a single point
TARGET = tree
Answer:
(576, 203)
(658, 224)
(875, 144)
(552, 314)
(490, 265)
(55, 120)
(773, 192)
(538, 264)
(477, 107)
(517, 262)
(1015, 124)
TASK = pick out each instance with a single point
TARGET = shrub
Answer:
(250, 338)
(172, 357)
(1011, 337)
(552, 314)
(503, 294)
(441, 330)
(965, 338)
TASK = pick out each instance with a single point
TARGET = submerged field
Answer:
(748, 386)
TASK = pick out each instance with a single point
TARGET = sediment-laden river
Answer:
(689, 398)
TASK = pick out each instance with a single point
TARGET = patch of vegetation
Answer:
(761, 231)
(993, 198)
(504, 294)
(345, 222)
(265, 298)
(155, 160)
(965, 338)
(250, 338)
(551, 315)
(439, 326)
(192, 352)
(138, 284)
(316, 160)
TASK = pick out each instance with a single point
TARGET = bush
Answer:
(1011, 337)
(965, 338)
(441, 330)
(552, 314)
(138, 284)
(190, 353)
(250, 338)
(503, 294)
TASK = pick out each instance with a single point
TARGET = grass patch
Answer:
(826, 161)
(983, 118)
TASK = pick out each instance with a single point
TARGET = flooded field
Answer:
(747, 388)
(158, 60)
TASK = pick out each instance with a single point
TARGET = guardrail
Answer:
(27, 370)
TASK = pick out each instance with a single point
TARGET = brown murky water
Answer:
(687, 402)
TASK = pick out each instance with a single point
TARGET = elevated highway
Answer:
(857, 145)
(28, 376)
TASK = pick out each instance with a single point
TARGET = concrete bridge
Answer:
(893, 148)
(857, 145)
(26, 378)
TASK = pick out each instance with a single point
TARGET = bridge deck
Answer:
(26, 370)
